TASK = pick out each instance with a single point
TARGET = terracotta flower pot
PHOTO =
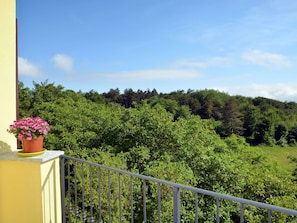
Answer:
(32, 146)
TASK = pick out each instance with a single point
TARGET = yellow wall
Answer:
(30, 191)
(7, 73)
(20, 192)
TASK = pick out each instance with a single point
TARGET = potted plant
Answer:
(31, 132)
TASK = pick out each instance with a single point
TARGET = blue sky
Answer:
(242, 47)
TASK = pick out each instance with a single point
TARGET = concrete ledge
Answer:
(48, 155)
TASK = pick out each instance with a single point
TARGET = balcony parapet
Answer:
(30, 188)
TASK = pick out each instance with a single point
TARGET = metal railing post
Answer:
(241, 213)
(176, 205)
(218, 210)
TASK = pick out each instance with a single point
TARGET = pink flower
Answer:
(29, 128)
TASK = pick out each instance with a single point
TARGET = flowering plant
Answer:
(29, 128)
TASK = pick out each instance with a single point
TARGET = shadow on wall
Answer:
(49, 193)
(4, 147)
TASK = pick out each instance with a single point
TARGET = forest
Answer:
(259, 120)
(207, 135)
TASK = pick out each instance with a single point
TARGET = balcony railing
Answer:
(95, 193)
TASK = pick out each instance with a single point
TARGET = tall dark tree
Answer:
(113, 95)
(292, 135)
(264, 130)
(281, 131)
(251, 117)
(128, 98)
(207, 107)
(232, 119)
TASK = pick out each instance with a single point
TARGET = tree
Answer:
(113, 95)
(207, 108)
(264, 129)
(25, 100)
(232, 119)
(280, 134)
(94, 96)
(292, 135)
(251, 117)
(128, 98)
(45, 92)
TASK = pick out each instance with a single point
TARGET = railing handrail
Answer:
(193, 189)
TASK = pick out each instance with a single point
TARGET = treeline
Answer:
(260, 120)
(160, 138)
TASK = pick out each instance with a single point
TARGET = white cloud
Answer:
(147, 75)
(63, 62)
(26, 68)
(265, 59)
(215, 61)
(282, 92)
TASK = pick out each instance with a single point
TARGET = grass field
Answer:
(280, 155)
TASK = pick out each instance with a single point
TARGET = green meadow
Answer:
(279, 155)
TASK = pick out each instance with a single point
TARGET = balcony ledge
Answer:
(48, 155)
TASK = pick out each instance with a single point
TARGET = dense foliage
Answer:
(260, 120)
(174, 137)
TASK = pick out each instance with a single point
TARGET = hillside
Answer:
(260, 120)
